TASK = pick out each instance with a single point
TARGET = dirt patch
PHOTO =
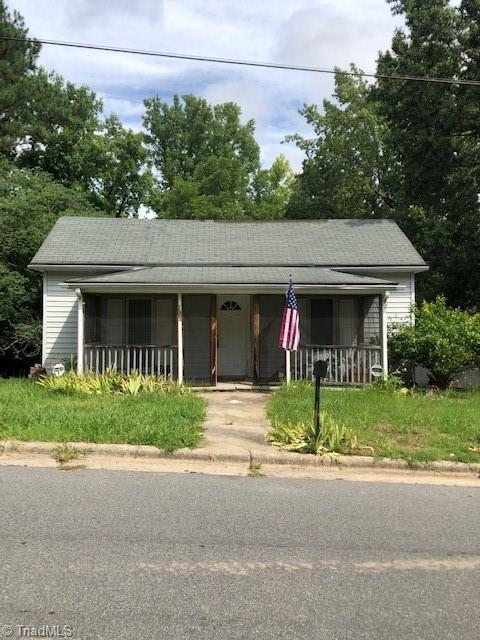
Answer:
(385, 427)
(410, 446)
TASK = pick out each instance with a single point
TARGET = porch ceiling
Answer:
(237, 276)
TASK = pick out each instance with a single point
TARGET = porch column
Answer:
(287, 367)
(384, 334)
(256, 337)
(180, 337)
(213, 339)
(80, 330)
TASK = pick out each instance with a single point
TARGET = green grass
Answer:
(165, 420)
(417, 428)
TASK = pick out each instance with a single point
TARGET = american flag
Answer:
(290, 329)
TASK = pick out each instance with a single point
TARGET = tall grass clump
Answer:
(110, 382)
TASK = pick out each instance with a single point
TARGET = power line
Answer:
(245, 63)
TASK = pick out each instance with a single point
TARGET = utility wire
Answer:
(245, 63)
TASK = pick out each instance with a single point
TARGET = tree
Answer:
(272, 189)
(348, 161)
(68, 137)
(217, 189)
(204, 156)
(121, 180)
(17, 63)
(435, 137)
(30, 203)
(60, 132)
(408, 149)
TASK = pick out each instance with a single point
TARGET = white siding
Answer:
(400, 300)
(59, 318)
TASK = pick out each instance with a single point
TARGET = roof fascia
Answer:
(81, 267)
(125, 267)
(227, 288)
(399, 269)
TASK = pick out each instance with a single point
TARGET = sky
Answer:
(299, 32)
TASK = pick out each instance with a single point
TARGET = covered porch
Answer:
(206, 338)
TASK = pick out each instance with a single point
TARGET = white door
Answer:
(233, 313)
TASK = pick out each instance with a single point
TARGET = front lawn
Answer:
(386, 424)
(165, 420)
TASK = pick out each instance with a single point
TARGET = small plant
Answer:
(66, 453)
(302, 437)
(70, 364)
(133, 384)
(254, 469)
(392, 382)
(111, 381)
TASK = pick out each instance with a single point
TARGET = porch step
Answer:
(237, 386)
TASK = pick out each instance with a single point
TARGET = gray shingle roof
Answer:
(231, 275)
(92, 241)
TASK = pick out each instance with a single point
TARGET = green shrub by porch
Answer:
(442, 339)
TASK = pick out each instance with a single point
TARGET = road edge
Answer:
(248, 456)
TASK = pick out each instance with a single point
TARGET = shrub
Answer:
(442, 339)
(110, 382)
(392, 382)
(303, 438)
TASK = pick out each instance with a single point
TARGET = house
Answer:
(202, 300)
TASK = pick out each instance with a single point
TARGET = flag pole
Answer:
(288, 372)
(289, 329)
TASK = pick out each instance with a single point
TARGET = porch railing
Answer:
(345, 365)
(146, 359)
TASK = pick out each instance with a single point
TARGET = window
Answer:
(230, 305)
(322, 321)
(139, 321)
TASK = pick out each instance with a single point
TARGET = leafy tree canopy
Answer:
(348, 159)
(186, 133)
(407, 149)
(30, 203)
(272, 189)
(208, 163)
(17, 63)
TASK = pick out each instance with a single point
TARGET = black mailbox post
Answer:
(319, 371)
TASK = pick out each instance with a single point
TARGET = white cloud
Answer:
(124, 108)
(305, 32)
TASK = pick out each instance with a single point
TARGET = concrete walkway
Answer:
(236, 422)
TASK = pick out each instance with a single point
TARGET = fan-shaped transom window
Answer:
(230, 305)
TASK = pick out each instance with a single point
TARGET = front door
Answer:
(233, 355)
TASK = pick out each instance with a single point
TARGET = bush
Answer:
(302, 438)
(110, 382)
(444, 340)
(392, 382)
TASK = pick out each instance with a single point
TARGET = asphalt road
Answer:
(111, 554)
